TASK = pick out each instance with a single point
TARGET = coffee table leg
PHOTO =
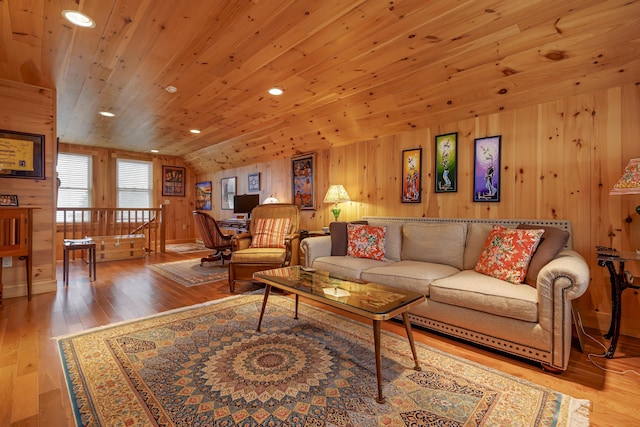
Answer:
(407, 326)
(267, 289)
(376, 340)
(297, 298)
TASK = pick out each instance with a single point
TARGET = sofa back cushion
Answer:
(553, 241)
(438, 243)
(476, 236)
(393, 239)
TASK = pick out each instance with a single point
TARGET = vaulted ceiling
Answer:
(350, 70)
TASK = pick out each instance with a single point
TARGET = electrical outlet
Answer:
(184, 226)
(167, 201)
(7, 261)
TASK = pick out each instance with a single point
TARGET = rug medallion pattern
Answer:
(208, 366)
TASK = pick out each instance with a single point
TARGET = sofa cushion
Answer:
(259, 256)
(393, 239)
(270, 232)
(507, 252)
(346, 266)
(480, 292)
(415, 276)
(338, 231)
(437, 243)
(366, 241)
(552, 242)
(476, 236)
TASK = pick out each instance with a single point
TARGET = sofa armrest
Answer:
(567, 272)
(315, 247)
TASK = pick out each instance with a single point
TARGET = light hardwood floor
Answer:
(33, 391)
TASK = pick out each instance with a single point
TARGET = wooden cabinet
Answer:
(16, 239)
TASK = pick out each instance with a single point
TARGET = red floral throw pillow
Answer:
(270, 232)
(506, 253)
(366, 241)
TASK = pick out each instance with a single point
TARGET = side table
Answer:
(77, 244)
(620, 280)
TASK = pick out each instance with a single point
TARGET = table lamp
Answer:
(336, 194)
(629, 182)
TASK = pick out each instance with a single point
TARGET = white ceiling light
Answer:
(195, 131)
(107, 114)
(155, 151)
(171, 89)
(276, 91)
(78, 18)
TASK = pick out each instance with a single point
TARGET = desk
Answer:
(239, 225)
(80, 244)
(620, 280)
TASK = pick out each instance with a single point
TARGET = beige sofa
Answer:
(437, 256)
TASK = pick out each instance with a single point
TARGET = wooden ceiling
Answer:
(350, 70)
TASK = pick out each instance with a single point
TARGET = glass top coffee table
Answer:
(370, 300)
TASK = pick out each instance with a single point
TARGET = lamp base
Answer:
(336, 213)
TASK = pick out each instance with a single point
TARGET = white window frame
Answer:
(78, 163)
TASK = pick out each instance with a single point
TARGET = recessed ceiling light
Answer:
(276, 91)
(171, 89)
(107, 114)
(195, 131)
(78, 18)
(155, 151)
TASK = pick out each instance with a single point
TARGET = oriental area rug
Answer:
(207, 366)
(185, 247)
(190, 273)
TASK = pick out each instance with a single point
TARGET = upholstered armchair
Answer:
(273, 241)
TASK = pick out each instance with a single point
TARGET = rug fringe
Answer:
(579, 413)
(151, 316)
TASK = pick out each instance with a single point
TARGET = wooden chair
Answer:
(212, 237)
(246, 260)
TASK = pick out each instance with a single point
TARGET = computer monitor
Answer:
(244, 204)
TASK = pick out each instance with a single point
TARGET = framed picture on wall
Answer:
(227, 191)
(8, 200)
(254, 182)
(446, 163)
(303, 188)
(486, 169)
(203, 196)
(22, 155)
(412, 175)
(173, 181)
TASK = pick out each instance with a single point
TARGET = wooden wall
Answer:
(178, 216)
(559, 160)
(31, 109)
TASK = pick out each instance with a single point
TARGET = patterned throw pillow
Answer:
(507, 252)
(270, 232)
(366, 241)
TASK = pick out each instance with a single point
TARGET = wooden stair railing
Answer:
(76, 223)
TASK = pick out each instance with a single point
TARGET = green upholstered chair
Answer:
(248, 256)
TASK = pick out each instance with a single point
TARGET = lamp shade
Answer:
(269, 200)
(629, 182)
(336, 194)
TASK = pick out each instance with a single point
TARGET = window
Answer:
(135, 183)
(74, 173)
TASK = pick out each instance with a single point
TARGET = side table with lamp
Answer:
(629, 183)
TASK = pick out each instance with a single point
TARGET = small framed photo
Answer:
(228, 192)
(412, 175)
(254, 182)
(303, 188)
(173, 181)
(486, 169)
(447, 163)
(8, 200)
(203, 196)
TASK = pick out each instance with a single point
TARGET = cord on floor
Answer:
(591, 356)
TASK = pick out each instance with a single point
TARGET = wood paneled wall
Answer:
(31, 109)
(559, 160)
(178, 216)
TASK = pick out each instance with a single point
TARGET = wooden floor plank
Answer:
(129, 289)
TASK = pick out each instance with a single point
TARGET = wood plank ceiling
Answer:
(350, 70)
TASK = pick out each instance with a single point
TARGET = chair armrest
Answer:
(240, 241)
(315, 247)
